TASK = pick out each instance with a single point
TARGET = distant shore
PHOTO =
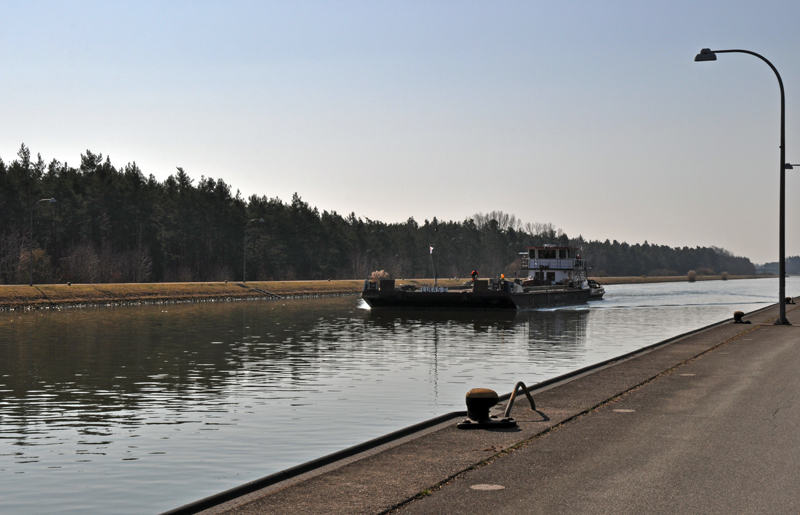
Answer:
(43, 296)
(674, 278)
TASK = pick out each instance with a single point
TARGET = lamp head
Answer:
(787, 166)
(53, 201)
(705, 55)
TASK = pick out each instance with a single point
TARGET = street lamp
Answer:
(30, 250)
(244, 265)
(711, 55)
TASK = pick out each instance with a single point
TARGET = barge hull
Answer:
(396, 299)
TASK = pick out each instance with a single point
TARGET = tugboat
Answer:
(555, 277)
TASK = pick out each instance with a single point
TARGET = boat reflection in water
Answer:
(475, 320)
(539, 327)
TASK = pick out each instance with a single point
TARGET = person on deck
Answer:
(474, 275)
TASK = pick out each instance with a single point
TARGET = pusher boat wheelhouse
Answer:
(550, 265)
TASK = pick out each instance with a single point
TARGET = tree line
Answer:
(113, 224)
(792, 265)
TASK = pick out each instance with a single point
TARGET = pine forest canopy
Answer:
(116, 225)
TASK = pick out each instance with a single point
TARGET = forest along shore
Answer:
(43, 296)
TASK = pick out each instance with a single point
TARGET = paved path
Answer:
(707, 424)
(720, 434)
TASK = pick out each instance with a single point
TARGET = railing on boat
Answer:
(553, 264)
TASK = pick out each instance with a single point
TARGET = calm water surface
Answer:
(142, 409)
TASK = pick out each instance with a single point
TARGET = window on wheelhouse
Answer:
(548, 254)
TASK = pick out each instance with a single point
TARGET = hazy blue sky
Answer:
(591, 115)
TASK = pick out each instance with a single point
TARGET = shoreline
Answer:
(47, 296)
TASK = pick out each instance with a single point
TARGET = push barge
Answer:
(552, 277)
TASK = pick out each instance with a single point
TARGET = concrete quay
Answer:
(707, 423)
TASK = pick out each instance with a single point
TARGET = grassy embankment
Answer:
(52, 295)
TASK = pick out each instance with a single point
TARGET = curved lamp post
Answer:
(711, 55)
(30, 250)
(244, 265)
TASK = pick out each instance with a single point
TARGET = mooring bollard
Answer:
(737, 318)
(479, 402)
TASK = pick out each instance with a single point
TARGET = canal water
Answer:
(142, 409)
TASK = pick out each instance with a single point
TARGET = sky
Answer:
(590, 115)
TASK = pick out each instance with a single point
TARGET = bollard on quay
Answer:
(479, 402)
(737, 318)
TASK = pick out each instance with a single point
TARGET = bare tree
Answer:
(82, 265)
(504, 221)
